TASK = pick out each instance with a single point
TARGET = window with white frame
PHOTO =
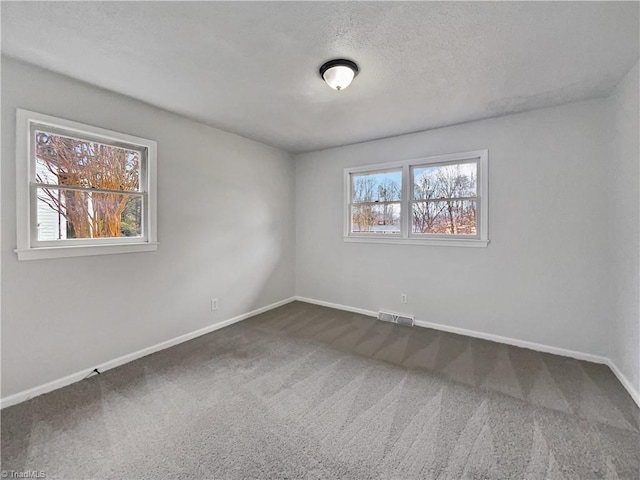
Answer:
(82, 190)
(439, 200)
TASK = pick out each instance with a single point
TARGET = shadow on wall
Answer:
(233, 257)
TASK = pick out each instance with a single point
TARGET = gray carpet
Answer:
(310, 392)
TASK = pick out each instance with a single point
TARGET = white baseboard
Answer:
(589, 357)
(337, 306)
(624, 381)
(539, 347)
(76, 377)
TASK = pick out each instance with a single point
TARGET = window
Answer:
(375, 202)
(432, 201)
(82, 190)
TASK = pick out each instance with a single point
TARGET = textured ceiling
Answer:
(252, 67)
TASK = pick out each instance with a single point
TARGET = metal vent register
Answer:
(396, 318)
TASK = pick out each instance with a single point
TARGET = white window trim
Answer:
(27, 248)
(406, 237)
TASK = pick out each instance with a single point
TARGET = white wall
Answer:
(225, 226)
(543, 278)
(625, 234)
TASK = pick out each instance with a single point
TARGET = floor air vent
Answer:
(396, 318)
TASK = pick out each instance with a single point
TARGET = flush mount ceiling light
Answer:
(339, 73)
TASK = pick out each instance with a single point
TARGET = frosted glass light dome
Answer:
(339, 73)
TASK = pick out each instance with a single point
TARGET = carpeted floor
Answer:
(309, 392)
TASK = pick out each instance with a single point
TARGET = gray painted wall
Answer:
(625, 234)
(225, 226)
(544, 277)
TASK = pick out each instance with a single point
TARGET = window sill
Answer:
(436, 242)
(41, 253)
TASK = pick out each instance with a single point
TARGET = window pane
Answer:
(63, 214)
(445, 181)
(378, 219)
(377, 187)
(454, 217)
(62, 160)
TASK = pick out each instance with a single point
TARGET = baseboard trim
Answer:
(539, 347)
(624, 381)
(337, 306)
(116, 362)
(589, 357)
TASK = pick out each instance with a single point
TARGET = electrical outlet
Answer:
(214, 304)
(403, 297)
